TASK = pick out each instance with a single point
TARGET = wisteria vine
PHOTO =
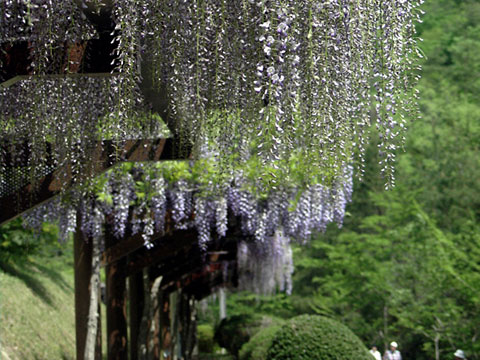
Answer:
(137, 198)
(261, 79)
(272, 100)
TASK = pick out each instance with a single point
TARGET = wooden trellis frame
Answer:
(176, 256)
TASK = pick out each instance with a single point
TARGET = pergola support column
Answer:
(136, 298)
(83, 251)
(117, 338)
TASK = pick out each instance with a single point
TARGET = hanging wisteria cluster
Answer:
(66, 111)
(62, 123)
(266, 266)
(285, 76)
(138, 201)
(141, 197)
(48, 26)
(265, 78)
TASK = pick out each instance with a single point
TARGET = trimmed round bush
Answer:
(312, 337)
(257, 347)
(233, 332)
(206, 342)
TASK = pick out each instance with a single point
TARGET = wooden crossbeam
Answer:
(189, 272)
(166, 244)
(166, 248)
(31, 195)
(193, 260)
(130, 244)
(201, 284)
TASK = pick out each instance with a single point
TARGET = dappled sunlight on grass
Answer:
(37, 317)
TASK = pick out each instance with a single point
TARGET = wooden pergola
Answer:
(186, 271)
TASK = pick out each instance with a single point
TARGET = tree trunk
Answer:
(152, 335)
(188, 321)
(165, 331)
(385, 326)
(223, 303)
(175, 344)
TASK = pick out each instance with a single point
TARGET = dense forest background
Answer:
(405, 266)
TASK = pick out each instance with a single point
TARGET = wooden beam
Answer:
(131, 244)
(167, 246)
(164, 248)
(32, 195)
(122, 248)
(203, 286)
(188, 264)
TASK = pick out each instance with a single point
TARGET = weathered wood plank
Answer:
(164, 249)
(117, 338)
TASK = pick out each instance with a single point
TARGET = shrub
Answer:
(206, 342)
(237, 330)
(257, 347)
(309, 337)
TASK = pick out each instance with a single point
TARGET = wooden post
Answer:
(165, 345)
(98, 345)
(222, 299)
(188, 324)
(83, 248)
(136, 297)
(176, 346)
(116, 305)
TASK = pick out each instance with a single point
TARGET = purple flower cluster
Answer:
(265, 267)
(299, 74)
(58, 119)
(159, 203)
(50, 26)
(257, 78)
(123, 193)
(265, 261)
(267, 221)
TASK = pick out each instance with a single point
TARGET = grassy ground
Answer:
(37, 310)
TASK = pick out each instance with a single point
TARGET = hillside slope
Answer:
(37, 318)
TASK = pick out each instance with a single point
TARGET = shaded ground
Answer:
(37, 310)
